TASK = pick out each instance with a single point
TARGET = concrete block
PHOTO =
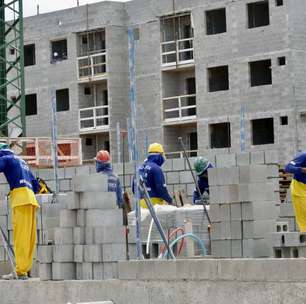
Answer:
(45, 254)
(236, 211)
(277, 239)
(258, 229)
(81, 218)
(236, 230)
(46, 174)
(225, 230)
(90, 183)
(225, 212)
(221, 248)
(63, 253)
(89, 235)
(226, 160)
(236, 248)
(79, 235)
(65, 185)
(253, 174)
(67, 218)
(271, 157)
(216, 231)
(98, 217)
(70, 200)
(224, 194)
(87, 271)
(259, 248)
(113, 252)
(168, 165)
(173, 177)
(282, 226)
(250, 192)
(98, 271)
(214, 212)
(45, 272)
(243, 159)
(78, 253)
(257, 157)
(186, 177)
(259, 210)
(110, 270)
(109, 234)
(294, 238)
(223, 176)
(286, 210)
(98, 200)
(82, 170)
(70, 172)
(63, 271)
(117, 168)
(92, 253)
(63, 236)
(178, 164)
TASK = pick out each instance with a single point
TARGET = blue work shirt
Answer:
(113, 180)
(17, 171)
(153, 177)
(203, 185)
(295, 167)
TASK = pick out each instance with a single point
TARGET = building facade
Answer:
(226, 76)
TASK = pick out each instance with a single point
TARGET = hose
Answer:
(191, 235)
(171, 235)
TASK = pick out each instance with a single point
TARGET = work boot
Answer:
(23, 277)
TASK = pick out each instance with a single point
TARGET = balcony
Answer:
(94, 119)
(179, 109)
(92, 67)
(180, 154)
(179, 52)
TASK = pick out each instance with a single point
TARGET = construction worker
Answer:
(103, 165)
(153, 176)
(298, 188)
(201, 165)
(23, 185)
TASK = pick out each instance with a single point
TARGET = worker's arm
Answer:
(3, 161)
(161, 186)
(297, 164)
(119, 194)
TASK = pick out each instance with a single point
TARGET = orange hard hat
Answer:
(103, 156)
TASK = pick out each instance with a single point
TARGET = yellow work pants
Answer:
(154, 201)
(24, 234)
(299, 206)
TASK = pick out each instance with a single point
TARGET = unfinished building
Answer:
(225, 76)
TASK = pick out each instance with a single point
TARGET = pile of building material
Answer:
(90, 238)
(243, 208)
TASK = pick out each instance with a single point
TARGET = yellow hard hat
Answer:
(156, 148)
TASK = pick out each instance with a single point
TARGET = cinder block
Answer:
(63, 271)
(67, 218)
(214, 212)
(70, 200)
(178, 164)
(271, 157)
(185, 177)
(226, 160)
(282, 226)
(113, 252)
(89, 235)
(173, 178)
(216, 231)
(92, 253)
(65, 185)
(257, 157)
(224, 194)
(90, 183)
(70, 172)
(259, 248)
(236, 211)
(243, 159)
(81, 218)
(223, 176)
(221, 249)
(236, 230)
(225, 212)
(168, 165)
(253, 174)
(79, 235)
(78, 253)
(82, 170)
(225, 230)
(45, 272)
(87, 271)
(259, 210)
(294, 238)
(250, 192)
(45, 254)
(236, 248)
(258, 229)
(110, 270)
(286, 210)
(98, 217)
(277, 239)
(63, 236)
(63, 253)
(98, 270)
(109, 234)
(98, 200)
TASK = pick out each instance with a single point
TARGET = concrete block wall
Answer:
(90, 238)
(244, 206)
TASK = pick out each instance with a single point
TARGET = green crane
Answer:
(12, 92)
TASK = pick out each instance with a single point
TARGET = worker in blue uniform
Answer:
(23, 202)
(297, 166)
(103, 165)
(153, 176)
(201, 165)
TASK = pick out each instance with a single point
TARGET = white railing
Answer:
(94, 118)
(180, 154)
(92, 66)
(180, 108)
(177, 52)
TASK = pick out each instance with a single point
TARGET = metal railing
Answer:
(180, 108)
(180, 154)
(94, 118)
(177, 52)
(92, 66)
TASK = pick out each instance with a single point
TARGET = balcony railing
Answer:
(94, 119)
(180, 108)
(92, 66)
(180, 154)
(177, 52)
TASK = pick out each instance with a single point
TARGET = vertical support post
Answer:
(242, 127)
(54, 140)
(133, 101)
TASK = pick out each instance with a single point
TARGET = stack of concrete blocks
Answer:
(286, 216)
(90, 239)
(243, 208)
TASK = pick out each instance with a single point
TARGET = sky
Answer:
(45, 6)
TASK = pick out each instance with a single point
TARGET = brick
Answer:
(92, 253)
(98, 200)
(92, 183)
(63, 271)
(67, 218)
(63, 236)
(63, 253)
